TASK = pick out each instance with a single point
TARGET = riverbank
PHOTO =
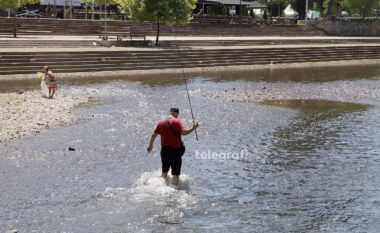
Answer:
(200, 70)
(27, 113)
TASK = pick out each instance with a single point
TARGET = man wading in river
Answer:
(171, 129)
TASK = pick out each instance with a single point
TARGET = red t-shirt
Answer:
(170, 131)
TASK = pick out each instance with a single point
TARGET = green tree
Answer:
(271, 5)
(319, 6)
(217, 9)
(300, 7)
(330, 7)
(364, 7)
(169, 12)
(101, 2)
(14, 5)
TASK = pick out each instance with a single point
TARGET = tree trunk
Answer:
(158, 32)
(15, 25)
(93, 10)
(330, 9)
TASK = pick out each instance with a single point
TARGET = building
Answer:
(235, 7)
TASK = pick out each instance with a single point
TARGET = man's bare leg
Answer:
(175, 180)
(164, 175)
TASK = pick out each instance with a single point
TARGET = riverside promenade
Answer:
(78, 56)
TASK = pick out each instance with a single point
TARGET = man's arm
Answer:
(187, 131)
(152, 138)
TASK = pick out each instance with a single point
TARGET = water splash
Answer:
(167, 203)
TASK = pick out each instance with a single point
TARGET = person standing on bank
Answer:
(49, 78)
(172, 148)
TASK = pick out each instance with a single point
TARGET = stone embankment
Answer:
(12, 63)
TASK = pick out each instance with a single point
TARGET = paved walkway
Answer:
(348, 41)
(99, 48)
(50, 37)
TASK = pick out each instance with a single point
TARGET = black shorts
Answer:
(171, 158)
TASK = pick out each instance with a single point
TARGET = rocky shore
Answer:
(362, 92)
(27, 113)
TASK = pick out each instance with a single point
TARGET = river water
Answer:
(306, 162)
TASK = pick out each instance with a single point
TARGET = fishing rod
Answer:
(187, 89)
(188, 97)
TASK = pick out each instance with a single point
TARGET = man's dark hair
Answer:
(174, 110)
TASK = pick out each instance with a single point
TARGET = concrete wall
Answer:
(348, 28)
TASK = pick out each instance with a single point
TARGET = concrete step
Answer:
(153, 64)
(135, 57)
(193, 51)
(86, 43)
(26, 63)
(174, 55)
(169, 66)
(46, 43)
(175, 64)
(90, 27)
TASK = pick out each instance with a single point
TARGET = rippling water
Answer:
(302, 165)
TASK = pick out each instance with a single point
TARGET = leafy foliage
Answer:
(101, 2)
(363, 7)
(166, 11)
(169, 12)
(217, 9)
(14, 4)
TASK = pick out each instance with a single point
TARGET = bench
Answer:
(113, 31)
(106, 34)
(131, 37)
(134, 40)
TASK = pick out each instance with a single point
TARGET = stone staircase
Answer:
(263, 42)
(92, 61)
(86, 43)
(90, 27)
(46, 43)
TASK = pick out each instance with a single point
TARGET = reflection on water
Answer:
(312, 165)
(318, 127)
(308, 74)
(304, 74)
(325, 107)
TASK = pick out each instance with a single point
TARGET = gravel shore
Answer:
(27, 113)
(360, 91)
